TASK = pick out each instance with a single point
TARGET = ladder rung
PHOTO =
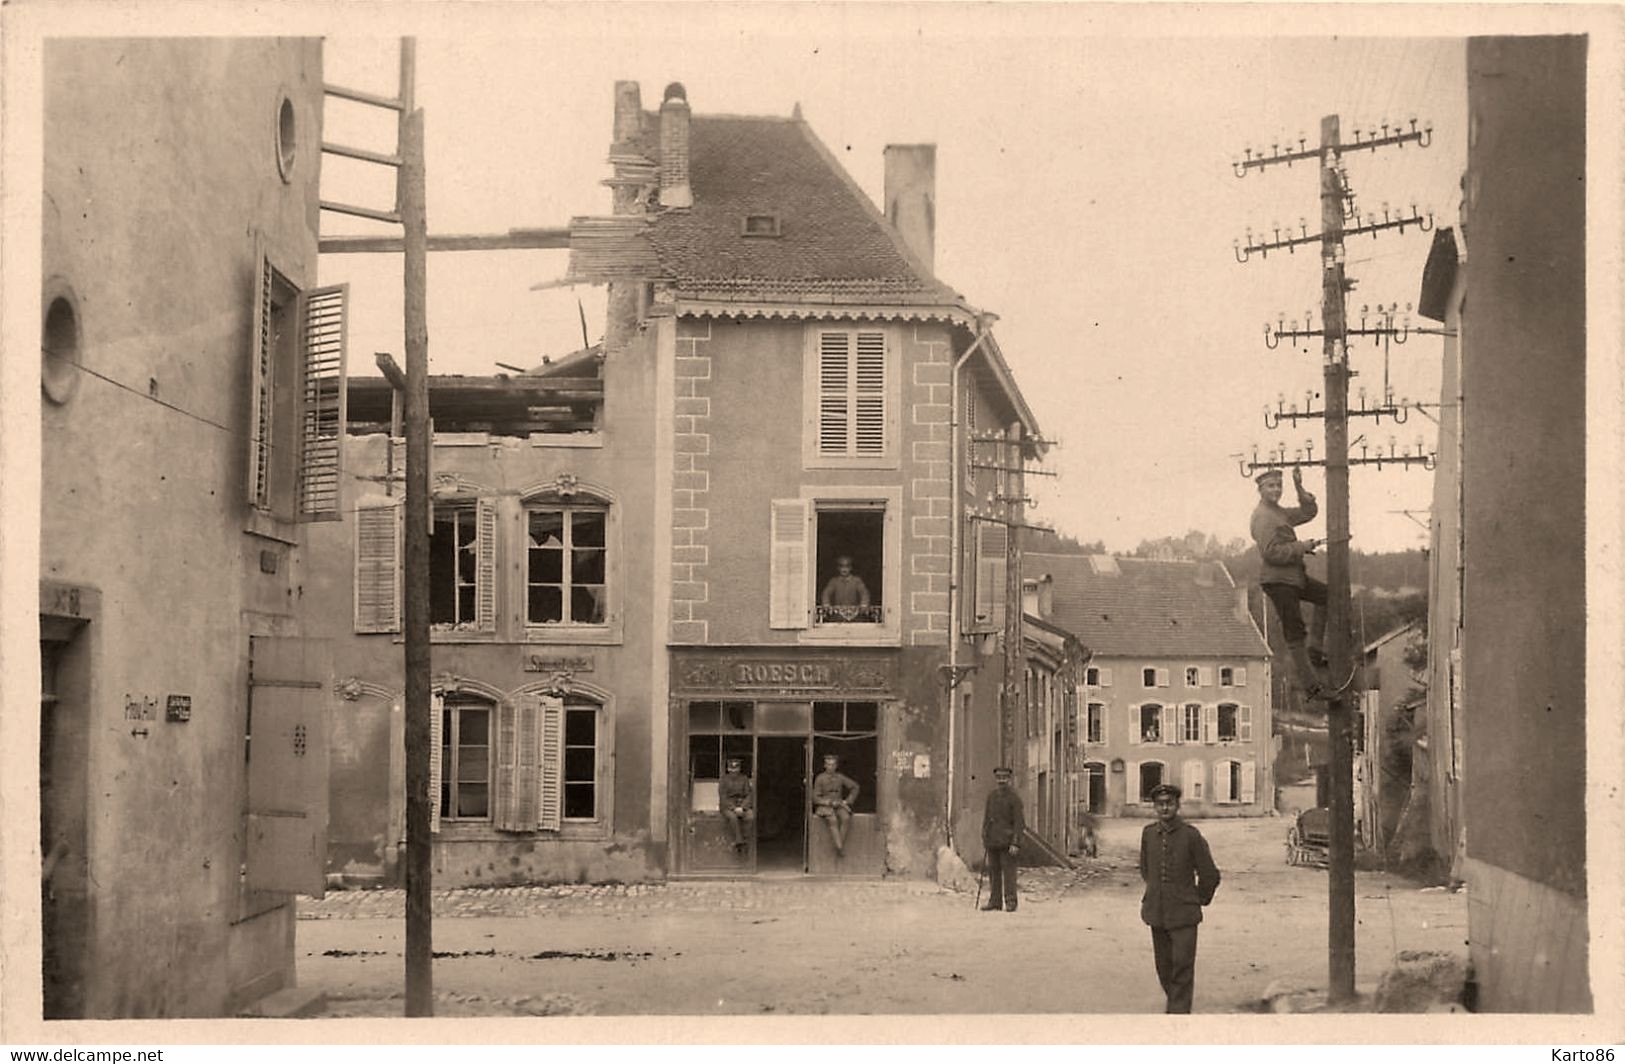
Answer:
(361, 153)
(361, 212)
(363, 97)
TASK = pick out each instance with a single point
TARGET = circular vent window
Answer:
(287, 138)
(59, 350)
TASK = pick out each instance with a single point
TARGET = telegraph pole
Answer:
(1012, 691)
(1336, 207)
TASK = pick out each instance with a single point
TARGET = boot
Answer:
(1308, 680)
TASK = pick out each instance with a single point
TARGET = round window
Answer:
(59, 350)
(287, 138)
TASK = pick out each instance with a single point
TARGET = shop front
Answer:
(781, 714)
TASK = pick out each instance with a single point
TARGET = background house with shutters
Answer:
(542, 635)
(190, 424)
(1177, 687)
(806, 356)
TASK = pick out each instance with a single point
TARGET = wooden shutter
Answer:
(1241, 677)
(1105, 724)
(834, 393)
(1105, 677)
(261, 376)
(1163, 678)
(787, 560)
(1131, 783)
(323, 327)
(519, 761)
(290, 701)
(992, 542)
(1210, 724)
(869, 394)
(485, 569)
(550, 752)
(1205, 675)
(437, 753)
(1244, 723)
(1193, 780)
(1249, 782)
(1170, 724)
(378, 565)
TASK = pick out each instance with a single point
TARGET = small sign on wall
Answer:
(902, 760)
(922, 766)
(178, 709)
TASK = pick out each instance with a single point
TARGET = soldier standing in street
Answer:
(1002, 825)
(1180, 878)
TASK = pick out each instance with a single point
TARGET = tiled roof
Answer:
(1149, 609)
(833, 241)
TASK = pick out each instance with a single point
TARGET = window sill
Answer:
(869, 635)
(482, 831)
(608, 635)
(269, 526)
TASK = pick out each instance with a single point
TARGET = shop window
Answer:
(462, 569)
(296, 397)
(567, 570)
(717, 731)
(850, 731)
(465, 759)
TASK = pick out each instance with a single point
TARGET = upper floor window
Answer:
(462, 565)
(1193, 676)
(296, 397)
(1235, 723)
(1190, 723)
(464, 745)
(850, 543)
(1096, 726)
(850, 397)
(566, 564)
(1232, 677)
(1150, 723)
(1154, 677)
(833, 562)
(1097, 677)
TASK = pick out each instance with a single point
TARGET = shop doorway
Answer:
(781, 789)
(64, 791)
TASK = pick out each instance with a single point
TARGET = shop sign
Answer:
(785, 674)
(557, 663)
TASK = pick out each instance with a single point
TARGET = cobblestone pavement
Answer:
(1038, 885)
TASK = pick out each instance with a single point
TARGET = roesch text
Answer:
(783, 674)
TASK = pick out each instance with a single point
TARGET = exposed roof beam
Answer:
(513, 239)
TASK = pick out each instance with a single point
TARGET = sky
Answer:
(1085, 194)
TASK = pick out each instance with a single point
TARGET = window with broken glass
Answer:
(454, 565)
(567, 565)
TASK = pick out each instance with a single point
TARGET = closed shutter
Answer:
(290, 704)
(1249, 782)
(1210, 724)
(1193, 781)
(322, 404)
(992, 543)
(1170, 724)
(519, 762)
(485, 573)
(378, 565)
(787, 560)
(834, 393)
(1131, 783)
(1241, 677)
(437, 755)
(261, 377)
(550, 799)
(1244, 723)
(869, 395)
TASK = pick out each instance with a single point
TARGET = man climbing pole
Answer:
(1285, 582)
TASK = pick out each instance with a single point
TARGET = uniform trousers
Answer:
(1175, 950)
(1001, 878)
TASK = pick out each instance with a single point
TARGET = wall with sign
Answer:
(144, 507)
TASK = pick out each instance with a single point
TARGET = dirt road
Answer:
(805, 947)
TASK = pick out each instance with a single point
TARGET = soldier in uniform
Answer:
(1002, 825)
(1284, 580)
(833, 793)
(1180, 878)
(734, 799)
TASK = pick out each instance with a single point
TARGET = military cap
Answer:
(1268, 474)
(1169, 789)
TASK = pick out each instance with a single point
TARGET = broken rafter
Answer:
(512, 240)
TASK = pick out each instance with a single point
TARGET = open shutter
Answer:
(485, 573)
(1241, 677)
(1193, 781)
(505, 762)
(787, 559)
(1105, 724)
(1249, 781)
(437, 755)
(550, 752)
(1163, 678)
(1105, 677)
(1131, 783)
(1170, 724)
(1210, 724)
(378, 565)
(322, 401)
(261, 376)
(991, 558)
(1244, 723)
(834, 393)
(1205, 675)
(869, 394)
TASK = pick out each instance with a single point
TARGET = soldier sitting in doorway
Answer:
(736, 802)
(833, 794)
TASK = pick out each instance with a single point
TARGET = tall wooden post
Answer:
(419, 931)
(1011, 746)
(1339, 722)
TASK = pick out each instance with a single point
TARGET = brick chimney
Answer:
(674, 190)
(628, 111)
(911, 198)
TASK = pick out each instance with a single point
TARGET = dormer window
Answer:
(761, 225)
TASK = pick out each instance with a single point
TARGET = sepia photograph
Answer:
(811, 522)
